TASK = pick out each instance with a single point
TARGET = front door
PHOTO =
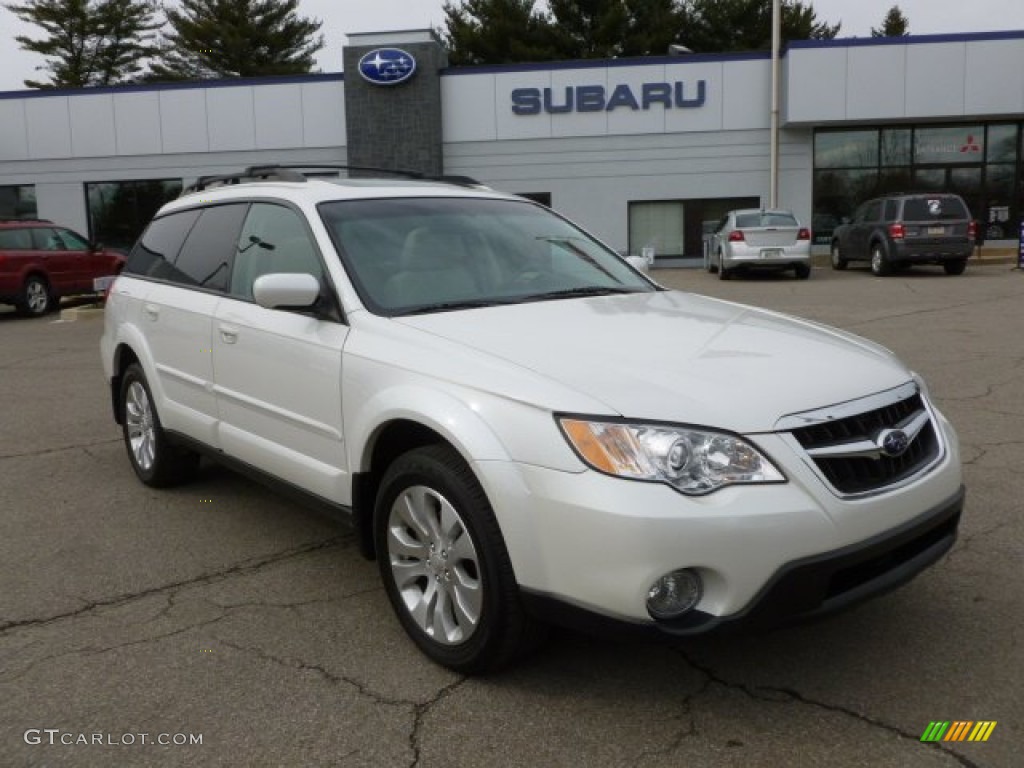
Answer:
(278, 372)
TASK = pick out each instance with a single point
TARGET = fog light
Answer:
(674, 594)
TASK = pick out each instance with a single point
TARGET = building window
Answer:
(981, 163)
(658, 225)
(18, 202)
(120, 210)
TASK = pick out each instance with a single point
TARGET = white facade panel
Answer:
(92, 125)
(995, 77)
(183, 121)
(323, 114)
(49, 127)
(876, 82)
(817, 83)
(277, 114)
(137, 123)
(468, 108)
(14, 136)
(231, 122)
(935, 79)
(511, 125)
(566, 85)
(746, 102)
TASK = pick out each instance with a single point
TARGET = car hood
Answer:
(678, 357)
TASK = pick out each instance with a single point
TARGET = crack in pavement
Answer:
(420, 711)
(246, 566)
(682, 734)
(61, 449)
(784, 695)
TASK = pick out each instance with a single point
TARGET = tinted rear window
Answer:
(204, 260)
(765, 220)
(938, 207)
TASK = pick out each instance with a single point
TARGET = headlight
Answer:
(692, 461)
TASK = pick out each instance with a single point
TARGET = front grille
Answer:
(864, 474)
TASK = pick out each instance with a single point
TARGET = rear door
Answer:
(278, 372)
(80, 259)
(932, 222)
(865, 221)
(771, 230)
(55, 259)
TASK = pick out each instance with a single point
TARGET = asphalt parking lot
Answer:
(224, 612)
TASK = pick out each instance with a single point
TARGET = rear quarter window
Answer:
(938, 208)
(15, 239)
(154, 254)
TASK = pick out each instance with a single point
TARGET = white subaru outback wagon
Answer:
(523, 428)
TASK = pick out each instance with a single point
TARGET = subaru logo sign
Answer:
(387, 66)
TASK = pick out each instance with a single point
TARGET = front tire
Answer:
(36, 299)
(955, 267)
(444, 564)
(880, 266)
(156, 461)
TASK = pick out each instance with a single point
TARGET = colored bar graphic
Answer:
(982, 730)
(958, 730)
(935, 730)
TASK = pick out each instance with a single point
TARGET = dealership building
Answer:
(643, 152)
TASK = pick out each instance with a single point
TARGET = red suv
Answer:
(40, 262)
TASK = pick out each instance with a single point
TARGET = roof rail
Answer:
(24, 220)
(292, 172)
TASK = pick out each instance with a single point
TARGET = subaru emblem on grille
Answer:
(893, 442)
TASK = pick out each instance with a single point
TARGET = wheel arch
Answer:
(407, 420)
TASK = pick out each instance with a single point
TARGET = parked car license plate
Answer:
(936, 230)
(771, 253)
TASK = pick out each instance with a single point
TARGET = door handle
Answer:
(228, 334)
(152, 311)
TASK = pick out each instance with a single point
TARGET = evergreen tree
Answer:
(236, 38)
(497, 32)
(746, 25)
(89, 42)
(587, 29)
(895, 24)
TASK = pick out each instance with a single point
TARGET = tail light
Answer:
(896, 231)
(972, 230)
(803, 234)
(736, 236)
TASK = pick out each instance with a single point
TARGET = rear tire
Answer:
(955, 267)
(723, 273)
(444, 564)
(880, 266)
(35, 299)
(156, 461)
(838, 262)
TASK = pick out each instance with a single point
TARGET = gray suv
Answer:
(896, 231)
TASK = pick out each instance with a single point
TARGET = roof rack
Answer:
(291, 172)
(21, 220)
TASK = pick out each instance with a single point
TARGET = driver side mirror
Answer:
(286, 290)
(639, 263)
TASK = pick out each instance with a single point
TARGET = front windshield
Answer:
(417, 255)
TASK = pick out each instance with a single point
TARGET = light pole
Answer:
(774, 118)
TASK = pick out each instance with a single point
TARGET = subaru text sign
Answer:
(596, 98)
(387, 66)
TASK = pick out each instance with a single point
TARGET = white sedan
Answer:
(760, 239)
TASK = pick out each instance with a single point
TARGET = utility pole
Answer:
(774, 118)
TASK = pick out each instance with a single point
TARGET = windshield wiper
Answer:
(444, 306)
(586, 290)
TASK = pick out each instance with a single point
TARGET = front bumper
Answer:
(587, 547)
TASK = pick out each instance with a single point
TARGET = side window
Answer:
(873, 211)
(47, 239)
(892, 208)
(16, 239)
(273, 239)
(205, 258)
(155, 252)
(858, 215)
(72, 241)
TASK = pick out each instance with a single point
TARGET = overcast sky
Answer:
(341, 17)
